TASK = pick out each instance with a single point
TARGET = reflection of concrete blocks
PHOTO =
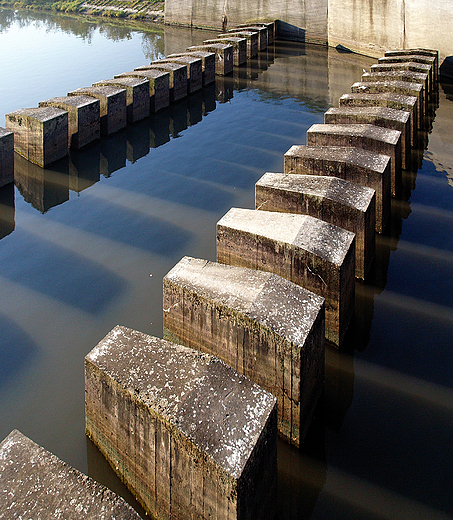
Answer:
(310, 252)
(6, 157)
(36, 484)
(159, 86)
(83, 118)
(223, 56)
(188, 435)
(40, 134)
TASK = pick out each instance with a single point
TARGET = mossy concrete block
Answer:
(352, 164)
(178, 77)
(411, 66)
(207, 61)
(223, 56)
(262, 34)
(307, 251)
(36, 484)
(187, 434)
(194, 66)
(250, 36)
(345, 204)
(418, 52)
(112, 104)
(137, 95)
(40, 134)
(84, 123)
(267, 328)
(368, 137)
(379, 116)
(239, 47)
(159, 87)
(6, 157)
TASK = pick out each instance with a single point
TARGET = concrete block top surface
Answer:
(392, 97)
(311, 234)
(418, 58)
(371, 131)
(69, 101)
(348, 193)
(401, 116)
(277, 303)
(409, 65)
(42, 114)
(98, 91)
(228, 38)
(4, 131)
(197, 54)
(163, 65)
(222, 412)
(186, 59)
(36, 484)
(390, 85)
(126, 81)
(143, 73)
(215, 46)
(401, 75)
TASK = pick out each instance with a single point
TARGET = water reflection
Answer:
(7, 210)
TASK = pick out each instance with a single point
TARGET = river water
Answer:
(85, 244)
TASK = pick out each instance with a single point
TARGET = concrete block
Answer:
(418, 52)
(389, 100)
(352, 164)
(188, 435)
(262, 33)
(159, 87)
(427, 60)
(207, 61)
(84, 123)
(239, 47)
(270, 26)
(40, 134)
(223, 56)
(368, 137)
(411, 66)
(379, 116)
(137, 95)
(343, 203)
(178, 77)
(112, 103)
(250, 36)
(6, 157)
(265, 327)
(307, 251)
(36, 484)
(194, 66)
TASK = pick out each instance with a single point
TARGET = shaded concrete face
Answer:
(208, 64)
(264, 326)
(36, 484)
(342, 203)
(239, 47)
(188, 435)
(6, 157)
(223, 56)
(178, 77)
(314, 254)
(159, 86)
(84, 123)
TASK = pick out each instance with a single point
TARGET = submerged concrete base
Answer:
(311, 253)
(36, 484)
(207, 63)
(239, 47)
(188, 435)
(6, 157)
(264, 326)
(194, 66)
(223, 56)
(84, 123)
(159, 87)
(345, 204)
(178, 77)
(40, 134)
(368, 137)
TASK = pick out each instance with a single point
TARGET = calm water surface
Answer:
(85, 246)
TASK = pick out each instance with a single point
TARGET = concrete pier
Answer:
(342, 203)
(84, 124)
(178, 77)
(307, 251)
(6, 157)
(265, 327)
(380, 116)
(40, 134)
(410, 66)
(352, 164)
(426, 60)
(418, 52)
(194, 70)
(239, 47)
(250, 36)
(36, 484)
(223, 56)
(188, 435)
(368, 137)
(159, 87)
(207, 64)
(260, 29)
(113, 106)
(137, 95)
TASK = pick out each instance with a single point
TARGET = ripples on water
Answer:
(81, 239)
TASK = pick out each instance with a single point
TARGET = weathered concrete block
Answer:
(207, 61)
(6, 157)
(426, 60)
(190, 436)
(352, 164)
(40, 134)
(159, 87)
(178, 77)
(343, 203)
(194, 66)
(406, 66)
(250, 36)
(305, 250)
(270, 27)
(266, 327)
(379, 116)
(112, 104)
(36, 484)
(418, 52)
(368, 137)
(389, 100)
(223, 56)
(137, 95)
(262, 33)
(84, 123)
(239, 47)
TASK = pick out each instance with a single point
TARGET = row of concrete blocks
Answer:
(44, 134)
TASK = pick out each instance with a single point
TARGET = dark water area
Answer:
(85, 244)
